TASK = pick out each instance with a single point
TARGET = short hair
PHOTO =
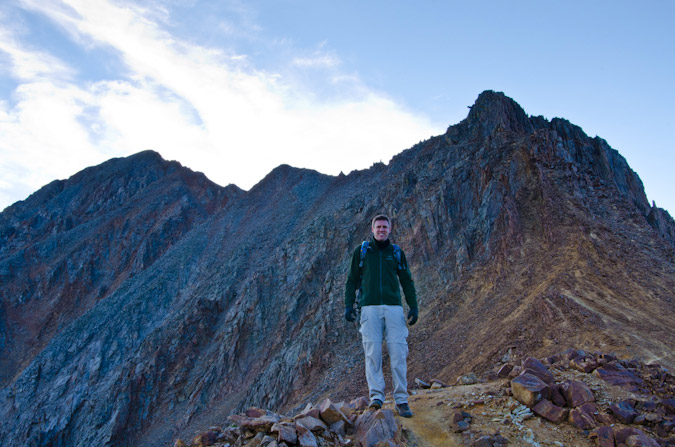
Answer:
(380, 217)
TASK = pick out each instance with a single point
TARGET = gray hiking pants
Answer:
(388, 323)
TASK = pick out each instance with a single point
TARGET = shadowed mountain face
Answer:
(141, 301)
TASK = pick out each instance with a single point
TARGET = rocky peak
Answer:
(493, 111)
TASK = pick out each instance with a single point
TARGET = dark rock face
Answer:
(139, 300)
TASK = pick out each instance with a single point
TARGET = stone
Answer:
(422, 384)
(504, 371)
(578, 393)
(309, 410)
(306, 438)
(204, 439)
(528, 389)
(641, 440)
(533, 366)
(622, 434)
(585, 365)
(254, 412)
(179, 443)
(467, 379)
(311, 423)
(616, 374)
(549, 411)
(339, 428)
(360, 403)
(557, 396)
(623, 411)
(285, 433)
(329, 412)
(375, 428)
(583, 417)
(603, 436)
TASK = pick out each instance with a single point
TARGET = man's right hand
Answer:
(350, 314)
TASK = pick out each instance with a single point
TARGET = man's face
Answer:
(381, 230)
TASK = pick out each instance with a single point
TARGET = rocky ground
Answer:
(570, 399)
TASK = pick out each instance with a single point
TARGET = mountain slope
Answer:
(523, 235)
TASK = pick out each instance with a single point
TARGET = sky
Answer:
(235, 88)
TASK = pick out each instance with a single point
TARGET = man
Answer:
(378, 275)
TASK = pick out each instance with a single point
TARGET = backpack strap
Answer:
(397, 255)
(364, 248)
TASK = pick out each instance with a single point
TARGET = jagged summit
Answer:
(150, 302)
(493, 111)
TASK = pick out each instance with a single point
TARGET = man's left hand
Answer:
(412, 316)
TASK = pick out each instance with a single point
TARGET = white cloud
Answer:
(200, 106)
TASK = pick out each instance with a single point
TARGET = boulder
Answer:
(557, 396)
(377, 428)
(641, 440)
(583, 417)
(546, 409)
(422, 384)
(578, 393)
(466, 379)
(285, 433)
(330, 413)
(585, 365)
(616, 374)
(504, 371)
(306, 438)
(529, 389)
(603, 436)
(536, 368)
(311, 423)
(623, 412)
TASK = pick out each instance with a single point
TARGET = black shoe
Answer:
(376, 404)
(404, 410)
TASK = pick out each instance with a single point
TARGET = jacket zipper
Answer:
(381, 292)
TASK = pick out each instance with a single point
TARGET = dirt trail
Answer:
(492, 412)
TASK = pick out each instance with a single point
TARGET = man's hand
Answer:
(350, 314)
(412, 316)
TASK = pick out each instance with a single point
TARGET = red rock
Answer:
(557, 396)
(546, 409)
(254, 412)
(329, 412)
(360, 403)
(504, 371)
(309, 410)
(616, 374)
(528, 389)
(623, 412)
(578, 393)
(306, 438)
(583, 417)
(375, 427)
(311, 423)
(622, 434)
(641, 440)
(585, 365)
(285, 433)
(535, 367)
(604, 436)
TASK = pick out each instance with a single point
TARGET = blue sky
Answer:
(235, 88)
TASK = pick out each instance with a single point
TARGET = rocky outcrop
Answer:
(140, 301)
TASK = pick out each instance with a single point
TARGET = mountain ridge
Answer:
(518, 235)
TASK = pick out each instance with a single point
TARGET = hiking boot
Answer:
(376, 404)
(404, 410)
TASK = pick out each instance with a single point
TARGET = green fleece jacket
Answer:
(381, 278)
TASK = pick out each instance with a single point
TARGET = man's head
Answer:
(381, 227)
